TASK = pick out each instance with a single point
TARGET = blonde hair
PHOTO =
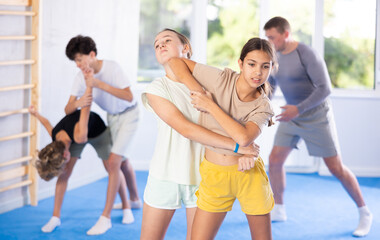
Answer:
(50, 161)
(184, 40)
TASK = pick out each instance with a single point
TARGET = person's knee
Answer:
(275, 159)
(114, 163)
(113, 167)
(335, 166)
(337, 170)
(65, 175)
(125, 164)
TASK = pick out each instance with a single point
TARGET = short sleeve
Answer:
(261, 115)
(207, 76)
(157, 87)
(121, 80)
(79, 85)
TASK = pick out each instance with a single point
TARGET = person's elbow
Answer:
(244, 140)
(68, 110)
(246, 137)
(130, 97)
(187, 133)
(328, 91)
(80, 139)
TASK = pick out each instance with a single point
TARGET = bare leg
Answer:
(61, 186)
(122, 189)
(260, 226)
(130, 177)
(104, 221)
(60, 190)
(114, 162)
(350, 183)
(346, 177)
(190, 213)
(277, 172)
(206, 224)
(155, 222)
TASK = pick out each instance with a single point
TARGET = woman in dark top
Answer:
(77, 128)
(58, 158)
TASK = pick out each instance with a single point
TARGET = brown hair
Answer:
(259, 44)
(280, 23)
(184, 40)
(50, 162)
(80, 44)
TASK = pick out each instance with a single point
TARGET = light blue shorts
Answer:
(169, 195)
(123, 127)
(316, 127)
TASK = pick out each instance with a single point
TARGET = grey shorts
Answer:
(123, 127)
(316, 127)
(101, 144)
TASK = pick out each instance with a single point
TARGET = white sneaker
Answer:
(101, 226)
(365, 223)
(278, 213)
(127, 216)
(51, 225)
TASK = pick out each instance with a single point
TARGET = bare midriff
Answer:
(221, 159)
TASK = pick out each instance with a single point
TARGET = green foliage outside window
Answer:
(237, 22)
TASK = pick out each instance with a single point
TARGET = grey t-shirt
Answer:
(302, 77)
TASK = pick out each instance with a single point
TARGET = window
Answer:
(299, 13)
(343, 31)
(154, 17)
(349, 39)
(230, 24)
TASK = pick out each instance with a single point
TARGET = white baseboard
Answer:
(141, 165)
(49, 192)
(73, 184)
(359, 172)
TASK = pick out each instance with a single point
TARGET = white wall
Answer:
(357, 119)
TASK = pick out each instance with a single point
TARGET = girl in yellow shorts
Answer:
(174, 170)
(234, 105)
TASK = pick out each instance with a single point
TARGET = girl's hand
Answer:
(202, 101)
(85, 100)
(88, 74)
(246, 162)
(252, 149)
(32, 110)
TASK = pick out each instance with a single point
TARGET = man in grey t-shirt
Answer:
(305, 84)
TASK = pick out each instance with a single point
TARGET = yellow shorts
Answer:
(221, 185)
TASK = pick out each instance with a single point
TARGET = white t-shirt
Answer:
(175, 157)
(112, 74)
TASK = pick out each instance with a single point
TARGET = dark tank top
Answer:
(96, 126)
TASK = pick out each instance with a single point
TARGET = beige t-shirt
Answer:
(222, 85)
